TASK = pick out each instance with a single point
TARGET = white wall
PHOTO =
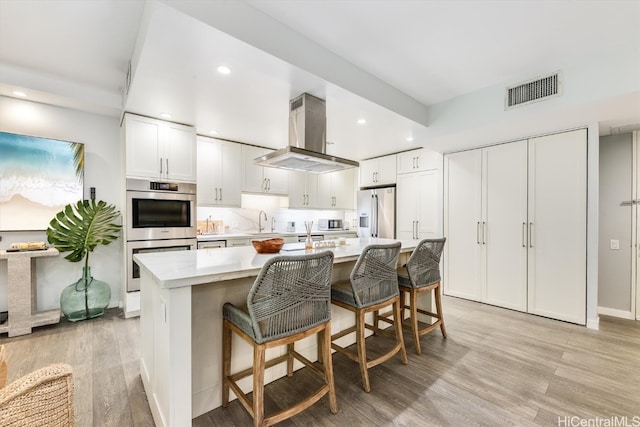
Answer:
(101, 136)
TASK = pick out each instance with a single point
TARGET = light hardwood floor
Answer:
(497, 368)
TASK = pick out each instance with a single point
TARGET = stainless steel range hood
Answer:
(307, 140)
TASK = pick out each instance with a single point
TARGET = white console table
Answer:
(22, 293)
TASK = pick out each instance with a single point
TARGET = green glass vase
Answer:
(86, 298)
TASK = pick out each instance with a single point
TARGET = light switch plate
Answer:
(615, 244)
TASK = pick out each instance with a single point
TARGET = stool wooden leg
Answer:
(328, 367)
(362, 351)
(258, 384)
(398, 326)
(413, 298)
(226, 362)
(290, 349)
(439, 310)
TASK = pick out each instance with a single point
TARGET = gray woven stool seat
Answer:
(422, 274)
(289, 301)
(373, 285)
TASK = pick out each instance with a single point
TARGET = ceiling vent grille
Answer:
(533, 90)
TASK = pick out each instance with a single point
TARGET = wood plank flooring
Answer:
(497, 368)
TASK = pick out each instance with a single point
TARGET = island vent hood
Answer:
(307, 140)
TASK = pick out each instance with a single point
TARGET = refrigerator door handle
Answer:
(376, 208)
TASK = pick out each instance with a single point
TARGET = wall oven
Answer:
(160, 217)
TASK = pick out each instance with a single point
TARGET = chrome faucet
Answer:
(260, 214)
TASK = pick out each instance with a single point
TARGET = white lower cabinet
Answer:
(515, 222)
(417, 205)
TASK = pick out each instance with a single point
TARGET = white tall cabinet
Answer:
(219, 172)
(515, 222)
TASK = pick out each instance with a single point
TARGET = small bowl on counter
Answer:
(268, 246)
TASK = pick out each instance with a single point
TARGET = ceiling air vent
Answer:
(533, 90)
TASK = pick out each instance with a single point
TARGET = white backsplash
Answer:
(245, 218)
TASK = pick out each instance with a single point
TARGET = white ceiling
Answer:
(387, 61)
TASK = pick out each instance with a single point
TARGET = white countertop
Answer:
(187, 268)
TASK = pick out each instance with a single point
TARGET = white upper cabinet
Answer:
(259, 179)
(159, 150)
(219, 172)
(418, 161)
(303, 190)
(337, 190)
(378, 171)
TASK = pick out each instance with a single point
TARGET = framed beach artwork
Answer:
(38, 177)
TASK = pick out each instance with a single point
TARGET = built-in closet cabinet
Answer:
(259, 179)
(219, 172)
(417, 205)
(160, 150)
(515, 222)
(336, 190)
(379, 171)
(303, 190)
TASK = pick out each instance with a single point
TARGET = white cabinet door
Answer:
(336, 190)
(277, 181)
(142, 147)
(379, 171)
(504, 217)
(427, 215)
(557, 226)
(407, 206)
(252, 175)
(209, 172)
(303, 189)
(219, 173)
(368, 169)
(463, 250)
(179, 152)
(159, 150)
(344, 189)
(417, 205)
(258, 179)
(386, 170)
(231, 174)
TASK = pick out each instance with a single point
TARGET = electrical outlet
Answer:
(615, 244)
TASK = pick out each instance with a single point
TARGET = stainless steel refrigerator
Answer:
(377, 213)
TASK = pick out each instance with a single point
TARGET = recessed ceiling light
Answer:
(362, 121)
(165, 115)
(213, 132)
(410, 139)
(223, 69)
(19, 93)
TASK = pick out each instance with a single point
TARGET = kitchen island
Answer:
(182, 294)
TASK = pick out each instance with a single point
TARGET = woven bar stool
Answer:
(373, 285)
(422, 274)
(289, 301)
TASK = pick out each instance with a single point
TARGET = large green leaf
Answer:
(81, 227)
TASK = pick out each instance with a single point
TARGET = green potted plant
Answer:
(78, 229)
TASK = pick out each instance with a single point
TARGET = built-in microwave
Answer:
(330, 224)
(160, 210)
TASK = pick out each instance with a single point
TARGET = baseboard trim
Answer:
(606, 311)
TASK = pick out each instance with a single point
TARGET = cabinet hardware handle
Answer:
(167, 166)
(484, 233)
(264, 184)
(418, 162)
(216, 194)
(220, 194)
(269, 184)
(417, 229)
(524, 233)
(160, 165)
(478, 232)
(530, 234)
